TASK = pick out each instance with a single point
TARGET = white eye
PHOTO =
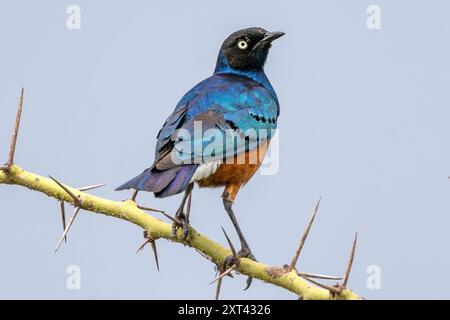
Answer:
(242, 44)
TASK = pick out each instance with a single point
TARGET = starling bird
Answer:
(237, 100)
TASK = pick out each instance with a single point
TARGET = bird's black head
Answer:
(247, 49)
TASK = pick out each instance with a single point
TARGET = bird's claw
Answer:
(183, 223)
(231, 260)
(246, 253)
(243, 253)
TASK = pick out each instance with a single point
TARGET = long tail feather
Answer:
(162, 183)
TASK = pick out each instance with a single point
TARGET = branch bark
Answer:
(284, 277)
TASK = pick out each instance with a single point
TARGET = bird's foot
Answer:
(245, 252)
(182, 223)
(230, 261)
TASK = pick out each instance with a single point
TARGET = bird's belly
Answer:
(235, 171)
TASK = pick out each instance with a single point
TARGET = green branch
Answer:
(128, 210)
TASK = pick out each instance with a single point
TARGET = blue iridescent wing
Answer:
(224, 103)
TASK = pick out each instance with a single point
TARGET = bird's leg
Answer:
(181, 216)
(134, 195)
(228, 197)
(245, 249)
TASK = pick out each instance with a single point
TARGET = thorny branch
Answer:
(286, 277)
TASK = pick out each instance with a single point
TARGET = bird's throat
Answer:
(259, 76)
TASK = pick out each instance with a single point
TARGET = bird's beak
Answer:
(268, 38)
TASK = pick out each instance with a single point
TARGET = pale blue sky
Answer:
(364, 123)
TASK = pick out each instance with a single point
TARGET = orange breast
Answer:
(237, 170)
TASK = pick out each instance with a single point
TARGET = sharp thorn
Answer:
(304, 236)
(95, 186)
(226, 272)
(174, 220)
(332, 289)
(188, 207)
(233, 251)
(155, 253)
(72, 219)
(143, 245)
(76, 199)
(150, 209)
(318, 276)
(12, 147)
(63, 216)
(350, 262)
(204, 255)
(219, 286)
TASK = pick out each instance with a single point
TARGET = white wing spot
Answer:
(205, 170)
